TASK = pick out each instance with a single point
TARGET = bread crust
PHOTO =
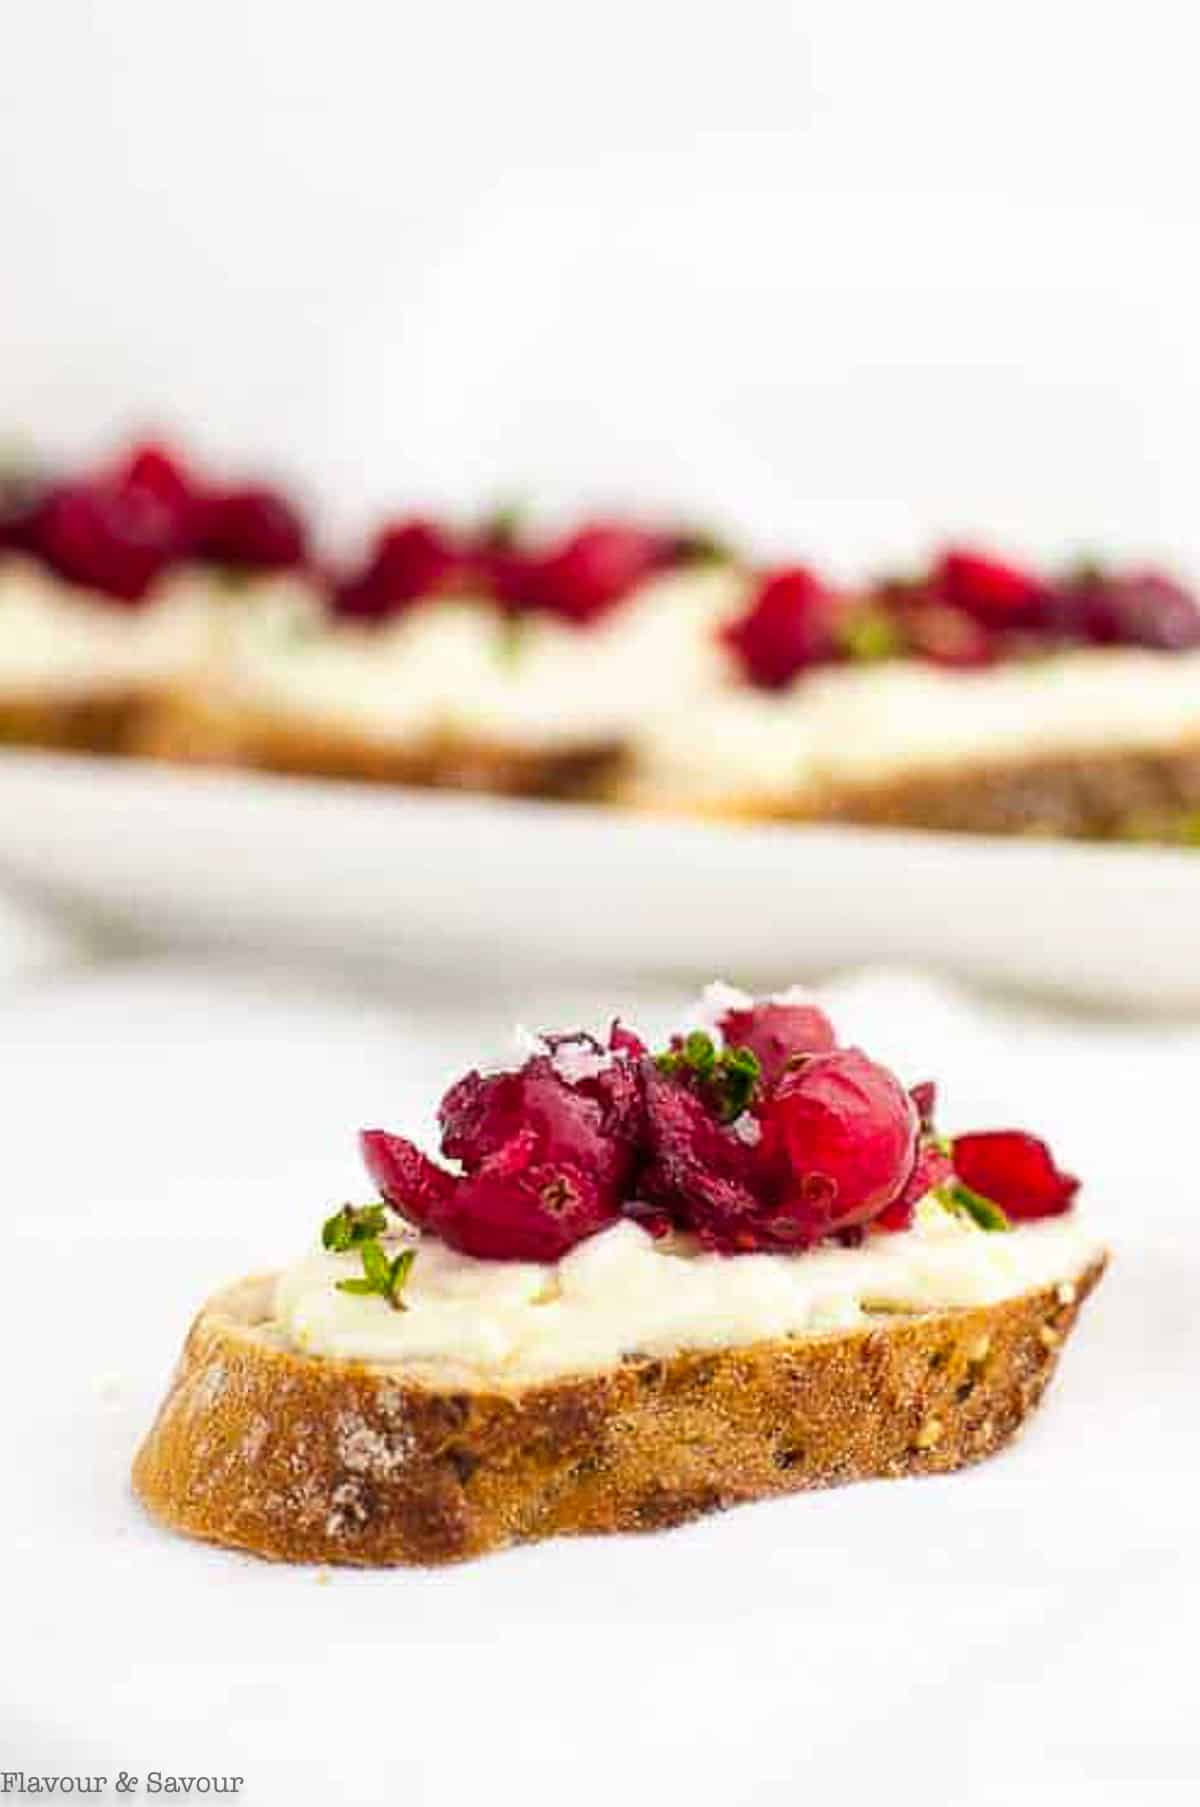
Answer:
(306, 1459)
(95, 721)
(1107, 794)
(188, 728)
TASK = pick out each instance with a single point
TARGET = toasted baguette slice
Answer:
(1119, 793)
(313, 1460)
(187, 726)
(84, 721)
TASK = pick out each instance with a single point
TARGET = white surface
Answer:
(1023, 1630)
(847, 275)
(426, 879)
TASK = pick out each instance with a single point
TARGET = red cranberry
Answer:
(106, 535)
(698, 1172)
(776, 1032)
(1138, 608)
(1015, 1171)
(790, 625)
(411, 1183)
(931, 1168)
(251, 528)
(590, 1123)
(583, 576)
(845, 1132)
(996, 595)
(163, 475)
(949, 636)
(409, 560)
(507, 1211)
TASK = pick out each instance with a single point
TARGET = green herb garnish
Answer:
(871, 634)
(352, 1225)
(387, 1278)
(728, 1075)
(960, 1199)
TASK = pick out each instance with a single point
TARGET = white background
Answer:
(846, 276)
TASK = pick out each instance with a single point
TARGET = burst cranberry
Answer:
(584, 576)
(252, 528)
(533, 1212)
(411, 1183)
(790, 625)
(106, 535)
(931, 1168)
(775, 1032)
(163, 475)
(1138, 608)
(409, 560)
(1015, 1171)
(844, 1131)
(698, 1172)
(996, 595)
(588, 1120)
(948, 636)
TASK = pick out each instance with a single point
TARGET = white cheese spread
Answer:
(621, 1293)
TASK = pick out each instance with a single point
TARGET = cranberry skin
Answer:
(253, 528)
(931, 1168)
(1015, 1171)
(591, 1125)
(410, 1182)
(584, 576)
(1139, 608)
(409, 560)
(844, 1132)
(775, 1033)
(511, 1211)
(163, 475)
(107, 535)
(949, 636)
(791, 624)
(697, 1173)
(994, 594)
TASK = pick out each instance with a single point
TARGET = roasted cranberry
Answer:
(1137, 608)
(410, 1182)
(931, 1168)
(698, 1172)
(582, 577)
(162, 474)
(996, 595)
(106, 535)
(791, 624)
(1015, 1171)
(535, 1212)
(587, 1120)
(775, 1032)
(841, 1132)
(253, 529)
(948, 636)
(409, 560)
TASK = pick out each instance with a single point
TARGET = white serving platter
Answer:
(439, 881)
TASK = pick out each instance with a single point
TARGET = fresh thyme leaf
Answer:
(870, 634)
(351, 1225)
(965, 1203)
(387, 1278)
(740, 1072)
(376, 1266)
(728, 1077)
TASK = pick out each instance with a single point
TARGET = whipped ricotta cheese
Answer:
(61, 640)
(860, 723)
(459, 667)
(621, 1293)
